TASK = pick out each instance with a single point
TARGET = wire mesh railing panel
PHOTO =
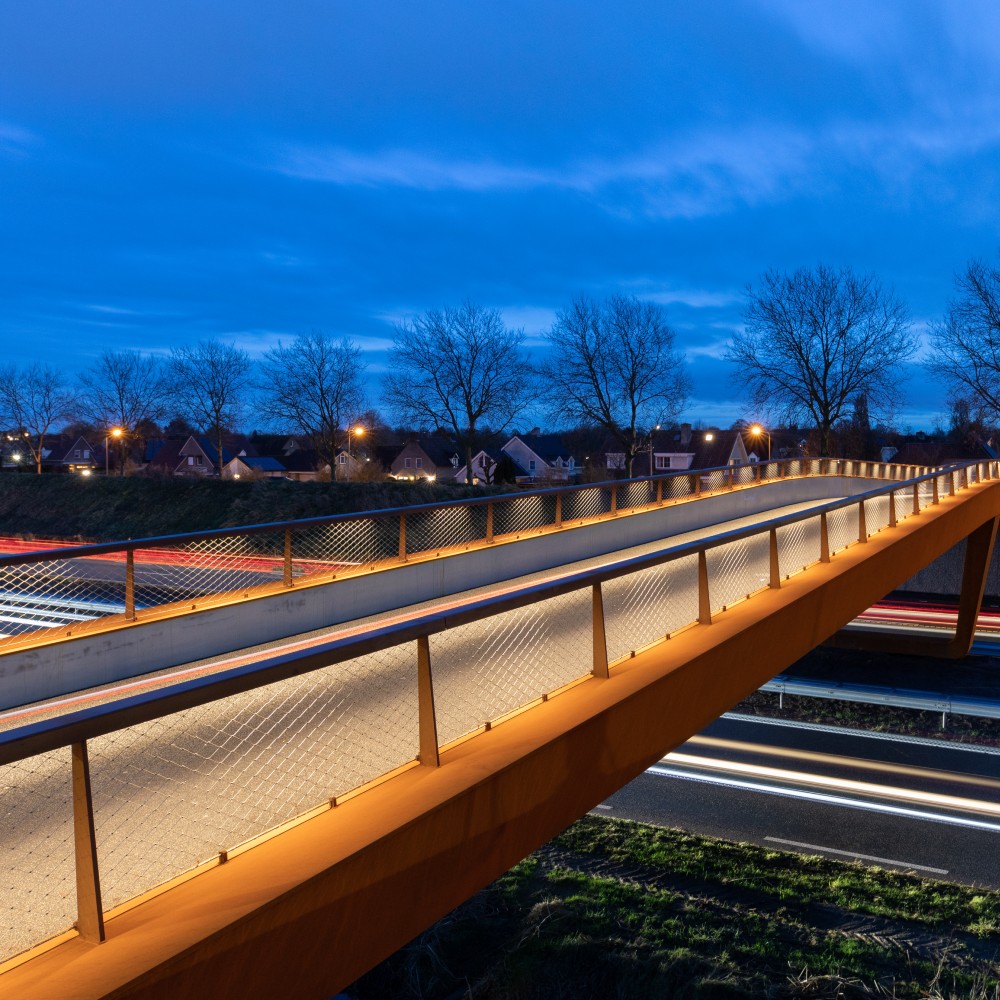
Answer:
(341, 545)
(925, 493)
(636, 494)
(524, 513)
(445, 527)
(37, 868)
(59, 594)
(219, 565)
(737, 569)
(171, 793)
(718, 479)
(645, 606)
(591, 501)
(744, 474)
(675, 487)
(876, 514)
(488, 668)
(842, 528)
(903, 503)
(798, 545)
(770, 470)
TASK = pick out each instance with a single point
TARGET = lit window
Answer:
(342, 459)
(663, 461)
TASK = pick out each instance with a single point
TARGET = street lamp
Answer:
(756, 430)
(656, 428)
(113, 432)
(358, 432)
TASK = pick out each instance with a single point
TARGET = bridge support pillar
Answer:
(978, 554)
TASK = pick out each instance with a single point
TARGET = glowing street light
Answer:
(756, 430)
(113, 432)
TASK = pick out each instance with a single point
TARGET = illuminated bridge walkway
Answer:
(257, 761)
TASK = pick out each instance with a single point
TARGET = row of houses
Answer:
(524, 458)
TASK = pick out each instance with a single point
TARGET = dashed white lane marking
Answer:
(860, 857)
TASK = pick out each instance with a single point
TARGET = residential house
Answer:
(196, 456)
(543, 457)
(433, 457)
(253, 467)
(304, 465)
(678, 448)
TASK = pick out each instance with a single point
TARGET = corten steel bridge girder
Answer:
(308, 911)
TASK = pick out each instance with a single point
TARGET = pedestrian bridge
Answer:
(278, 820)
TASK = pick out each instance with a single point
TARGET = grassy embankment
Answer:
(617, 909)
(97, 509)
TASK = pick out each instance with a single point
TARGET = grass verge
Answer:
(619, 909)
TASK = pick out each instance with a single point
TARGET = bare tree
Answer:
(614, 364)
(315, 386)
(817, 339)
(32, 401)
(210, 382)
(125, 390)
(967, 344)
(459, 369)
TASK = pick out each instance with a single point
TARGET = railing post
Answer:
(89, 912)
(775, 566)
(892, 508)
(288, 557)
(659, 490)
(558, 510)
(600, 668)
(489, 523)
(704, 601)
(934, 487)
(756, 472)
(402, 538)
(130, 585)
(862, 527)
(951, 483)
(614, 499)
(916, 498)
(730, 477)
(697, 484)
(430, 755)
(824, 539)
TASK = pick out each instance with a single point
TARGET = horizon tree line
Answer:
(814, 342)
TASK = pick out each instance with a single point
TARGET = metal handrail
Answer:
(154, 541)
(27, 741)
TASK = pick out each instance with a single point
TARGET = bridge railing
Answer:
(114, 801)
(79, 588)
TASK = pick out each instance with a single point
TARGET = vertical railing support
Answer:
(130, 585)
(659, 491)
(89, 912)
(916, 498)
(489, 523)
(614, 499)
(775, 566)
(697, 484)
(951, 483)
(934, 487)
(862, 527)
(892, 508)
(288, 557)
(402, 538)
(756, 472)
(731, 483)
(600, 667)
(430, 755)
(824, 539)
(558, 510)
(704, 600)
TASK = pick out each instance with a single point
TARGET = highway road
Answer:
(928, 807)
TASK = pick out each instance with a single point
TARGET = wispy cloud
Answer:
(16, 140)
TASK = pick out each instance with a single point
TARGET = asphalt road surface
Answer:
(928, 807)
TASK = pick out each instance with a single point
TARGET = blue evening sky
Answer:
(175, 170)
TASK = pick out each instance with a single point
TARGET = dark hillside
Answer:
(99, 509)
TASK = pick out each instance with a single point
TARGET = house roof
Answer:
(262, 463)
(301, 460)
(439, 450)
(546, 446)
